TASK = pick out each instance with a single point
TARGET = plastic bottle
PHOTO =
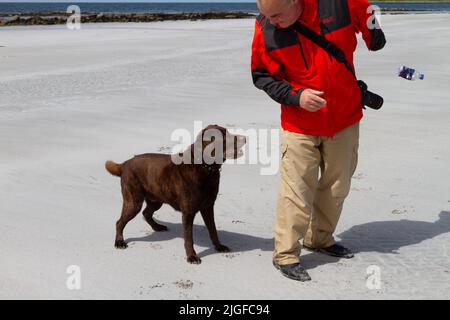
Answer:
(409, 73)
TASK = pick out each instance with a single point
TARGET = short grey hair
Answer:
(282, 1)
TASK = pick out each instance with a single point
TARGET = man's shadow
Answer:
(390, 236)
(237, 242)
(384, 237)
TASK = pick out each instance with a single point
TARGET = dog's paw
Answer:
(120, 244)
(194, 259)
(222, 248)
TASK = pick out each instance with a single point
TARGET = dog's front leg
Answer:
(208, 217)
(188, 222)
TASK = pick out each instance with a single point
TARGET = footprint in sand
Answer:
(184, 284)
(231, 255)
(392, 195)
(361, 189)
(155, 246)
(399, 211)
(403, 210)
(164, 149)
(158, 285)
(359, 176)
(154, 286)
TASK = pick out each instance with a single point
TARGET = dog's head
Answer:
(215, 144)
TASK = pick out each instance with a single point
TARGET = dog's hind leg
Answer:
(148, 212)
(132, 204)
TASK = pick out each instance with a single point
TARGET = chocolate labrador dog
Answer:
(187, 181)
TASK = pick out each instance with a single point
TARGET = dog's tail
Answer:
(113, 168)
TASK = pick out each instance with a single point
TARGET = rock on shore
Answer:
(49, 18)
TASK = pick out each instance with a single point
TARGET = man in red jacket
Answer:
(320, 113)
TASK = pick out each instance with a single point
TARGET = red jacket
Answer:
(284, 63)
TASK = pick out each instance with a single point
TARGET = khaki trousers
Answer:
(309, 207)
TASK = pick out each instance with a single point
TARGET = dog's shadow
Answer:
(237, 242)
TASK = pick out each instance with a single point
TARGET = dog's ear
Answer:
(215, 135)
(213, 146)
(225, 134)
(201, 134)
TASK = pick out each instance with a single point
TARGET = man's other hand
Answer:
(312, 100)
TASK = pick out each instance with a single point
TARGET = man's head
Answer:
(281, 12)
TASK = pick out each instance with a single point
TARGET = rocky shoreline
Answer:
(51, 18)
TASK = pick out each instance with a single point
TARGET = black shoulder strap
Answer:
(328, 46)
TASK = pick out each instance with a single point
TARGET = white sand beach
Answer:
(69, 100)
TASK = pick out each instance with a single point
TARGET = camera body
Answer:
(369, 99)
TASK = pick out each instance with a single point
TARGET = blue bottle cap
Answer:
(421, 76)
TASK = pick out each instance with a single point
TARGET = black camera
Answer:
(369, 99)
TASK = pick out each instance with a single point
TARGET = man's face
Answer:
(281, 12)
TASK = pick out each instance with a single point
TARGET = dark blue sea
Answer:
(250, 7)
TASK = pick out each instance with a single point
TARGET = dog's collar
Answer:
(211, 167)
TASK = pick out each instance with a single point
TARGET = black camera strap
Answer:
(322, 42)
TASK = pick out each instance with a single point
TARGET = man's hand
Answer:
(312, 100)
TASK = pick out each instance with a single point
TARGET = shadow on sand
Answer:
(384, 237)
(378, 236)
(237, 242)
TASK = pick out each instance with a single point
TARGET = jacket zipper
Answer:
(303, 54)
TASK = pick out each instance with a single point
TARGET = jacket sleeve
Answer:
(365, 22)
(267, 73)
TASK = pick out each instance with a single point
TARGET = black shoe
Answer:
(336, 250)
(293, 271)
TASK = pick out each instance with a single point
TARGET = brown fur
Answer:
(113, 168)
(155, 179)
